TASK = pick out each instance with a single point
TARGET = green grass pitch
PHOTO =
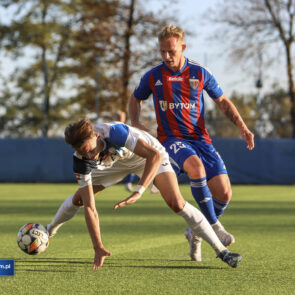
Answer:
(149, 251)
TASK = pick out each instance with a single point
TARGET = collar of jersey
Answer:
(179, 72)
(104, 143)
(104, 150)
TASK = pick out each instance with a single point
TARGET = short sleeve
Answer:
(143, 90)
(118, 134)
(212, 87)
(82, 170)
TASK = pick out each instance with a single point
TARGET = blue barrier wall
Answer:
(50, 160)
(36, 160)
(272, 161)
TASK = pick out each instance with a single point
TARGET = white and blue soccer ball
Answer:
(33, 238)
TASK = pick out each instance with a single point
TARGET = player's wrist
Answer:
(140, 189)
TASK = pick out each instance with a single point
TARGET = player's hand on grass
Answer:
(130, 200)
(100, 255)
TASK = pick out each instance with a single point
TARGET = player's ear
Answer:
(183, 47)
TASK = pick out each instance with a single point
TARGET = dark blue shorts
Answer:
(180, 149)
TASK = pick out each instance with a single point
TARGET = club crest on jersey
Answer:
(194, 83)
(163, 105)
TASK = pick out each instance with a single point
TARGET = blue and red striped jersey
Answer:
(178, 99)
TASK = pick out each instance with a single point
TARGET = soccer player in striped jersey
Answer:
(177, 85)
(105, 154)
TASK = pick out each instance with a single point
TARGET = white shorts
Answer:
(122, 168)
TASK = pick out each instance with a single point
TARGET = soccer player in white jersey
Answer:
(104, 154)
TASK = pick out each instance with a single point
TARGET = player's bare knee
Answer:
(77, 200)
(194, 168)
(228, 195)
(224, 196)
(177, 204)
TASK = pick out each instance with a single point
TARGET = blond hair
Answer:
(171, 31)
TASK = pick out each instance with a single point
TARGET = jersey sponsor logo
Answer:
(175, 105)
(158, 83)
(181, 105)
(163, 105)
(194, 83)
(175, 79)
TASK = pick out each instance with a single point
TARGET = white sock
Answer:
(65, 212)
(200, 226)
(217, 226)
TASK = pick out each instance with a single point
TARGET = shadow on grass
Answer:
(44, 270)
(47, 263)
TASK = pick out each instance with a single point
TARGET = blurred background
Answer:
(61, 60)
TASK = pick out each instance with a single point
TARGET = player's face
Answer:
(172, 53)
(90, 149)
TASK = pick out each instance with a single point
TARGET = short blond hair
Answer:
(171, 31)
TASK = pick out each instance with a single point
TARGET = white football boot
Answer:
(195, 245)
(51, 231)
(225, 238)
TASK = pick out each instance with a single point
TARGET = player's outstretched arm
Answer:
(134, 107)
(128, 201)
(92, 222)
(231, 112)
(152, 164)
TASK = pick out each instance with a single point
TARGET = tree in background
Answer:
(37, 95)
(80, 59)
(219, 126)
(135, 46)
(275, 113)
(258, 27)
(270, 119)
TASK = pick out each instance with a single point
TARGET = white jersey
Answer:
(119, 142)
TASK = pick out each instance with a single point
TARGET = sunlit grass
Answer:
(149, 251)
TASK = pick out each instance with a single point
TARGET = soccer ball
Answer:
(33, 238)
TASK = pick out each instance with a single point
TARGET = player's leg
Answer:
(220, 188)
(195, 170)
(217, 177)
(167, 184)
(185, 156)
(68, 210)
(201, 193)
(129, 182)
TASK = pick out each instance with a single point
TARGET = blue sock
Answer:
(130, 178)
(203, 197)
(219, 207)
